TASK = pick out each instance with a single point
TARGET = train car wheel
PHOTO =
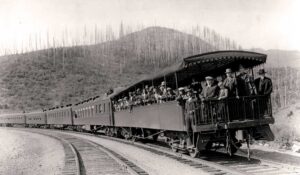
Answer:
(174, 149)
(194, 152)
(233, 149)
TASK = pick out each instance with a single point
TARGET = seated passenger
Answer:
(145, 97)
(170, 94)
(210, 91)
(163, 91)
(157, 95)
(146, 88)
(126, 103)
(138, 98)
(151, 95)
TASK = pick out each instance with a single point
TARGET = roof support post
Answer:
(176, 80)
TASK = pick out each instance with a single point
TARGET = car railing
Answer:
(230, 109)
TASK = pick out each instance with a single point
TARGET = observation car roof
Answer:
(211, 63)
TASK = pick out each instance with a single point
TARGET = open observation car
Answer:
(215, 123)
(238, 120)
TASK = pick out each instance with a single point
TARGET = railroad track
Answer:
(84, 157)
(216, 163)
(209, 167)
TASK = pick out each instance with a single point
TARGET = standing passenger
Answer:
(263, 84)
(246, 85)
(189, 114)
(210, 91)
(196, 86)
(264, 87)
(230, 83)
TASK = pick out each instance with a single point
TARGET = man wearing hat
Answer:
(210, 91)
(230, 83)
(264, 87)
(181, 97)
(190, 107)
(263, 84)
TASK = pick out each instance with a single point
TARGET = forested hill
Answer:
(59, 76)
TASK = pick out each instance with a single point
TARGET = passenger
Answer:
(246, 86)
(230, 83)
(196, 86)
(157, 95)
(223, 94)
(121, 104)
(264, 87)
(151, 95)
(210, 91)
(131, 100)
(190, 108)
(126, 103)
(170, 94)
(181, 98)
(163, 91)
(145, 97)
(263, 84)
(146, 88)
(139, 98)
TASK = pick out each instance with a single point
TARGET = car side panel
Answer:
(166, 116)
(36, 118)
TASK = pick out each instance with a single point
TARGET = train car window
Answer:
(103, 107)
(100, 109)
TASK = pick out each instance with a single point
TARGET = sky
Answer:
(266, 24)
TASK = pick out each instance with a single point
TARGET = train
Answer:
(242, 119)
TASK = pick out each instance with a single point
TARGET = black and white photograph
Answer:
(149, 87)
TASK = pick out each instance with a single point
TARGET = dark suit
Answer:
(210, 92)
(263, 87)
(190, 107)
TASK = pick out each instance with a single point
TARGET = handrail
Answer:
(231, 109)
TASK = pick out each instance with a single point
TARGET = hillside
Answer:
(59, 76)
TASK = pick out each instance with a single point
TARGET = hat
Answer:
(168, 88)
(261, 71)
(228, 70)
(195, 92)
(181, 89)
(209, 78)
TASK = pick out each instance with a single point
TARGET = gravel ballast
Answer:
(24, 153)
